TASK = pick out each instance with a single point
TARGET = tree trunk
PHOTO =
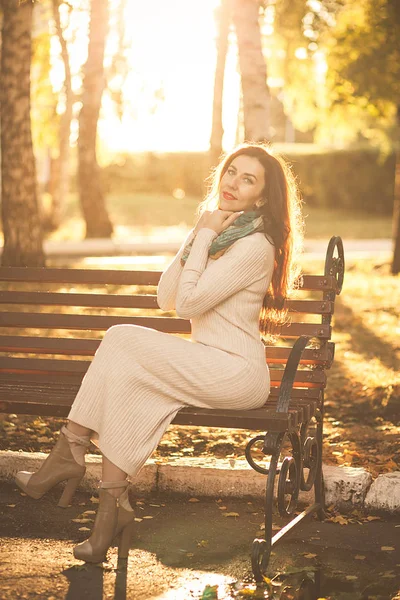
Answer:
(60, 170)
(23, 238)
(91, 194)
(217, 130)
(253, 69)
(396, 218)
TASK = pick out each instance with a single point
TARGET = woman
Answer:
(234, 264)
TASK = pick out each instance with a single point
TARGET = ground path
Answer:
(180, 546)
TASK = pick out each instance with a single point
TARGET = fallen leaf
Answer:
(387, 548)
(222, 507)
(231, 514)
(309, 555)
(138, 520)
(202, 544)
(11, 505)
(193, 500)
(94, 500)
(389, 575)
(351, 577)
(81, 520)
(339, 519)
(210, 592)
(371, 518)
(359, 557)
(189, 554)
(44, 440)
(147, 517)
(83, 529)
(89, 512)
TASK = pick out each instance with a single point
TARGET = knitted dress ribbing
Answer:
(140, 378)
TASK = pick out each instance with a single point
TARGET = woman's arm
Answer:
(168, 284)
(200, 289)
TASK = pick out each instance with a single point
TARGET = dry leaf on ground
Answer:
(82, 520)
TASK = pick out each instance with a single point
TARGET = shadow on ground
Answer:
(187, 550)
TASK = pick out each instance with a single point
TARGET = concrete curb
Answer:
(345, 487)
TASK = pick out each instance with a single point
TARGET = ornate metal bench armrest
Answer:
(335, 265)
(289, 373)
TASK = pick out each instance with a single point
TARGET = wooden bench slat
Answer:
(48, 366)
(166, 324)
(92, 322)
(317, 307)
(295, 330)
(311, 356)
(55, 380)
(83, 276)
(55, 400)
(73, 299)
(115, 277)
(313, 307)
(87, 347)
(324, 283)
(48, 345)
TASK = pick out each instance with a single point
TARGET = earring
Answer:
(259, 204)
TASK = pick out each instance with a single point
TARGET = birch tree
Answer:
(224, 17)
(92, 198)
(61, 167)
(253, 70)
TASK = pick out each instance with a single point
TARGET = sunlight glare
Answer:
(171, 51)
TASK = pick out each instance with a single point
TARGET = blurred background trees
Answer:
(91, 194)
(19, 203)
(365, 71)
(317, 78)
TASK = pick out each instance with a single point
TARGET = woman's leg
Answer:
(115, 517)
(77, 429)
(111, 473)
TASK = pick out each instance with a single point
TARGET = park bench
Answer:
(50, 326)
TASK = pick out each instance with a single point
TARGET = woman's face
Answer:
(242, 184)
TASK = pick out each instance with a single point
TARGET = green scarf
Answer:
(248, 223)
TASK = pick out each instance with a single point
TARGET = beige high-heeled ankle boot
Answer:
(115, 518)
(60, 465)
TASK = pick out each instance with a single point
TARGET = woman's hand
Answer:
(218, 220)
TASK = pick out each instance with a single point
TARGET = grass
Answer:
(362, 396)
(137, 215)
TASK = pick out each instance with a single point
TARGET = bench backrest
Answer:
(52, 320)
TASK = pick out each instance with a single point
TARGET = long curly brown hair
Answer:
(283, 225)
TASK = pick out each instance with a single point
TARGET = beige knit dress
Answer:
(140, 378)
